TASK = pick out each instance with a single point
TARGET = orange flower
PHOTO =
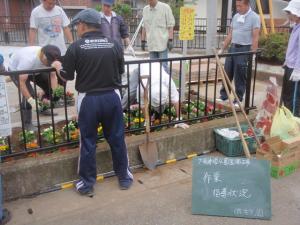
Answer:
(31, 145)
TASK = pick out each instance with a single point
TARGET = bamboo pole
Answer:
(262, 18)
(271, 16)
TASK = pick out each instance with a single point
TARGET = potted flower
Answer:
(29, 139)
(72, 129)
(48, 135)
(4, 148)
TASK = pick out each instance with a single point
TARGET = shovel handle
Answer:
(146, 104)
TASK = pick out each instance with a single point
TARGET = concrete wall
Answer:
(33, 175)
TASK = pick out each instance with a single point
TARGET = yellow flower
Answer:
(3, 147)
(137, 120)
(100, 129)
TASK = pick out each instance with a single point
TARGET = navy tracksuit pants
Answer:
(105, 108)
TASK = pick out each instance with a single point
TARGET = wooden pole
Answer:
(245, 146)
(271, 17)
(262, 18)
(240, 105)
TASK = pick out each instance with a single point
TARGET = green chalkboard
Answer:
(235, 187)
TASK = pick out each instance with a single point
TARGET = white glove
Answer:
(32, 102)
(130, 50)
(221, 50)
(295, 75)
(181, 125)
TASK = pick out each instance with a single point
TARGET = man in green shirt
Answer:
(158, 30)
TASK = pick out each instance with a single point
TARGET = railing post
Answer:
(248, 82)
(25, 33)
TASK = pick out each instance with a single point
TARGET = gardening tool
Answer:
(148, 150)
(223, 75)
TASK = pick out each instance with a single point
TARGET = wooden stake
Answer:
(271, 16)
(262, 18)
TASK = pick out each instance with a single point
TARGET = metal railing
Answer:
(15, 30)
(197, 82)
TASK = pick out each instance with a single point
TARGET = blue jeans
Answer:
(236, 68)
(1, 208)
(160, 55)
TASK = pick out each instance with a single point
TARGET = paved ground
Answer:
(162, 197)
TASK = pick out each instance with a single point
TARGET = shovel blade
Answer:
(149, 154)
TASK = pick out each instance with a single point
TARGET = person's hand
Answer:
(295, 75)
(56, 65)
(130, 50)
(144, 45)
(181, 125)
(32, 102)
(221, 50)
(170, 44)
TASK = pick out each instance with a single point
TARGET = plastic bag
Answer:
(268, 107)
(285, 125)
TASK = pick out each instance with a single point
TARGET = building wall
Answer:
(81, 3)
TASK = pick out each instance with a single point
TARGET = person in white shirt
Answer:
(49, 23)
(161, 86)
(31, 58)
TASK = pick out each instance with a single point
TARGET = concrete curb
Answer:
(35, 175)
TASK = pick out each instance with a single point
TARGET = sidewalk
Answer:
(161, 197)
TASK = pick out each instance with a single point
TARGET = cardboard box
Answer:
(284, 155)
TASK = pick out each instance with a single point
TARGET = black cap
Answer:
(89, 16)
(52, 53)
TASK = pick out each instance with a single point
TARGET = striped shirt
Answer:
(292, 58)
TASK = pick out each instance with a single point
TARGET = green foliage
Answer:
(175, 6)
(29, 136)
(274, 46)
(121, 9)
(48, 135)
(58, 92)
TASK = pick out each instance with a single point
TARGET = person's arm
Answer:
(143, 34)
(66, 69)
(68, 35)
(23, 88)
(65, 25)
(255, 37)
(227, 40)
(171, 32)
(32, 36)
(33, 28)
(126, 41)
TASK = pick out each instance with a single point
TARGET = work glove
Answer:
(144, 45)
(32, 102)
(170, 44)
(221, 50)
(130, 50)
(295, 75)
(181, 125)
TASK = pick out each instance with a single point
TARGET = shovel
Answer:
(148, 150)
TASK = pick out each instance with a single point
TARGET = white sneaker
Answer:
(221, 100)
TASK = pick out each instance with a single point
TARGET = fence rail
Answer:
(15, 30)
(197, 88)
